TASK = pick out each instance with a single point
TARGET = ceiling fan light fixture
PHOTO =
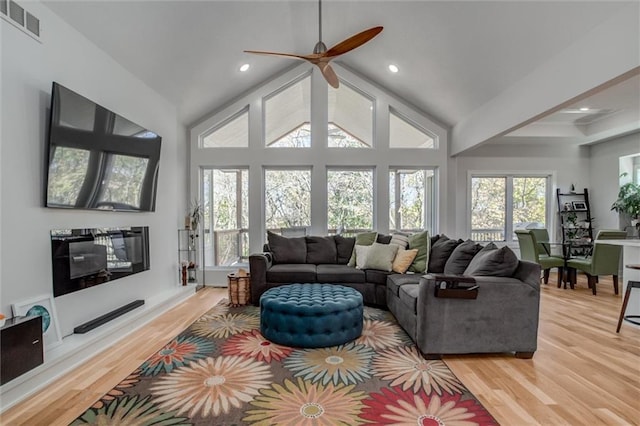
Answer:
(244, 67)
(393, 68)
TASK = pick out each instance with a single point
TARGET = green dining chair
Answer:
(604, 260)
(529, 250)
(542, 239)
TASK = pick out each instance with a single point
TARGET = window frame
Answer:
(429, 215)
(509, 175)
(222, 124)
(374, 198)
(265, 169)
(273, 94)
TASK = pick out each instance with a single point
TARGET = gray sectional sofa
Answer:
(503, 317)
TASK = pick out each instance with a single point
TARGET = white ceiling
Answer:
(453, 56)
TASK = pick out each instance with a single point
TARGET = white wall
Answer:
(28, 69)
(568, 165)
(604, 177)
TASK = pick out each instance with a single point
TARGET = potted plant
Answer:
(628, 201)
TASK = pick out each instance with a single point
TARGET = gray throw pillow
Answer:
(321, 250)
(461, 257)
(494, 262)
(440, 253)
(287, 250)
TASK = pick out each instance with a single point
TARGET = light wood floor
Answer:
(582, 374)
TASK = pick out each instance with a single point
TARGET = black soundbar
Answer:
(88, 326)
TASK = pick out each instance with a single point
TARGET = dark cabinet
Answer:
(21, 347)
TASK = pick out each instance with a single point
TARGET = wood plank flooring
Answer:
(582, 374)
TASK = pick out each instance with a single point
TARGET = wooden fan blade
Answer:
(353, 42)
(286, 55)
(329, 74)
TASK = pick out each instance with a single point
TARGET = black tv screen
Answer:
(98, 159)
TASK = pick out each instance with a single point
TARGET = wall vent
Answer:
(20, 18)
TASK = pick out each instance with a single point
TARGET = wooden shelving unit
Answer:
(576, 225)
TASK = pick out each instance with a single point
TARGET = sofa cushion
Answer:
(404, 259)
(380, 256)
(339, 274)
(376, 276)
(395, 281)
(292, 273)
(344, 247)
(287, 250)
(362, 239)
(321, 250)
(493, 261)
(461, 257)
(383, 239)
(409, 295)
(440, 252)
(419, 241)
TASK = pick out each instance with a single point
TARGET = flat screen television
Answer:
(83, 258)
(98, 159)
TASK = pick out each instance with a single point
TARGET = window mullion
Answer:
(508, 209)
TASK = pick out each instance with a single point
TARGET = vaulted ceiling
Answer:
(459, 61)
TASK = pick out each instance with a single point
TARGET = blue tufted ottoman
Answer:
(311, 315)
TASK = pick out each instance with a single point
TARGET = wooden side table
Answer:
(239, 290)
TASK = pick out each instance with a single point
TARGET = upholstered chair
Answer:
(530, 250)
(604, 260)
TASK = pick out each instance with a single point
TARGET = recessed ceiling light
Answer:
(584, 109)
(393, 68)
(244, 67)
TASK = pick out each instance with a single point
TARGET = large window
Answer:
(314, 158)
(404, 134)
(287, 200)
(502, 204)
(411, 199)
(287, 115)
(350, 200)
(232, 133)
(350, 118)
(226, 215)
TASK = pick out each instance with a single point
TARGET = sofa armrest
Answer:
(259, 264)
(503, 318)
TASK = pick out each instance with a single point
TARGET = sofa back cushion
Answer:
(493, 261)
(440, 252)
(287, 250)
(344, 248)
(321, 250)
(461, 257)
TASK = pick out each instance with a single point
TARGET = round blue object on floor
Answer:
(311, 315)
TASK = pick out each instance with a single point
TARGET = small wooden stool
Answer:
(630, 285)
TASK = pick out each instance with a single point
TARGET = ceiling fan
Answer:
(321, 56)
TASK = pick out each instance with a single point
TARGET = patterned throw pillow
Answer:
(400, 239)
(403, 260)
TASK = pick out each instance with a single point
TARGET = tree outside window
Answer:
(287, 199)
(350, 200)
(502, 204)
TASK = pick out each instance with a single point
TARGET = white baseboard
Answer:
(78, 348)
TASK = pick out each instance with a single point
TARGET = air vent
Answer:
(15, 14)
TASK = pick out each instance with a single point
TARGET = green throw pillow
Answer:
(362, 239)
(419, 241)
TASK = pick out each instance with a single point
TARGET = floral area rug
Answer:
(221, 371)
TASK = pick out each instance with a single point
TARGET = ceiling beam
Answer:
(609, 51)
